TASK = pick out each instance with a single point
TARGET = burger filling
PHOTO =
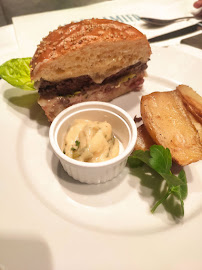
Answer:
(82, 84)
(56, 96)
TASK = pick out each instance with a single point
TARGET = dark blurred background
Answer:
(12, 8)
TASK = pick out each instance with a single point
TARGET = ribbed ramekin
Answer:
(123, 128)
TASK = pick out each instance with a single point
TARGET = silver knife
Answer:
(177, 33)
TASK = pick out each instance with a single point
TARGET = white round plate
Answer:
(107, 225)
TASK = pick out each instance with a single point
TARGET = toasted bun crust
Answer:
(95, 47)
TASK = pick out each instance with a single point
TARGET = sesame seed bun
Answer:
(96, 47)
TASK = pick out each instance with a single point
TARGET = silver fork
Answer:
(162, 22)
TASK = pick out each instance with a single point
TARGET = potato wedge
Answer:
(197, 124)
(165, 118)
(193, 111)
(144, 140)
(191, 99)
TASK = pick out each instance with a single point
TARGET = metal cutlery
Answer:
(162, 22)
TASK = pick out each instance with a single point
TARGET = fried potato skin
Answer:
(197, 124)
(193, 111)
(144, 140)
(192, 100)
(165, 118)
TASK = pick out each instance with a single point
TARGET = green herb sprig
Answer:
(160, 160)
(77, 143)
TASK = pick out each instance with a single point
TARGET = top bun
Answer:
(95, 47)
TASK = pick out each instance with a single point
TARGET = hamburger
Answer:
(91, 60)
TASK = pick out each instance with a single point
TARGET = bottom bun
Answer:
(54, 105)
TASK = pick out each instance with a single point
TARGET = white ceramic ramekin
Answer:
(123, 128)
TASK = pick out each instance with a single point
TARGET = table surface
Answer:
(29, 231)
(17, 39)
(11, 8)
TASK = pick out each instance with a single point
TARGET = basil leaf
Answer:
(134, 162)
(183, 188)
(161, 159)
(161, 201)
(17, 73)
(176, 191)
(172, 180)
(138, 158)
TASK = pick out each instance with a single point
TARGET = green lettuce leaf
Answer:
(17, 73)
